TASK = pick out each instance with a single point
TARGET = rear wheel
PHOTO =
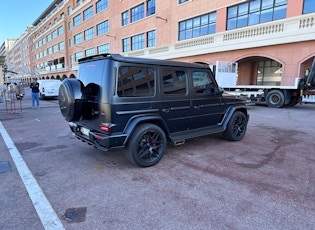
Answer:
(236, 127)
(147, 145)
(275, 99)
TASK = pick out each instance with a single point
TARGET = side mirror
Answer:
(218, 91)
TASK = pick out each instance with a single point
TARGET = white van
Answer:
(48, 88)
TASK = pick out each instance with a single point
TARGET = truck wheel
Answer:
(147, 145)
(236, 127)
(70, 99)
(275, 99)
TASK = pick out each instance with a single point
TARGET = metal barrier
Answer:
(9, 98)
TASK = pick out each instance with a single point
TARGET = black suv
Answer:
(142, 103)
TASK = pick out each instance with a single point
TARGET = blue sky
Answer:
(16, 15)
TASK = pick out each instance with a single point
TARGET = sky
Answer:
(16, 15)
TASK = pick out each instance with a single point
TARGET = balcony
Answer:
(53, 69)
(297, 29)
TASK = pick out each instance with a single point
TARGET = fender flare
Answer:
(229, 114)
(145, 118)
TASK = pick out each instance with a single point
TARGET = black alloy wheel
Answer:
(236, 127)
(147, 145)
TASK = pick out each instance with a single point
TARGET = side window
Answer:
(203, 83)
(174, 82)
(136, 81)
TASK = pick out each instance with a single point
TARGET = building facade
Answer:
(273, 41)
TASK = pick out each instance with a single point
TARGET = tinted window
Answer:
(136, 81)
(91, 72)
(203, 83)
(174, 82)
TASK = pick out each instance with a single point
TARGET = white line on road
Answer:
(43, 208)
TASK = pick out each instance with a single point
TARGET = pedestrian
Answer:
(35, 93)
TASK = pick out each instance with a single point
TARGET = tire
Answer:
(147, 145)
(41, 96)
(236, 127)
(275, 99)
(293, 101)
(70, 99)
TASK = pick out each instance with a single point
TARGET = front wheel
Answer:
(147, 145)
(236, 127)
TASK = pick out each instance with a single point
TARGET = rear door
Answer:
(175, 102)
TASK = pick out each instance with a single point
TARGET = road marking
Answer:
(42, 206)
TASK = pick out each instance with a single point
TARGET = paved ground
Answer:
(266, 181)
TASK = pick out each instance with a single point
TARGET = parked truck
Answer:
(276, 96)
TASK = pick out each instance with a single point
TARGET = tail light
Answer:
(43, 89)
(105, 127)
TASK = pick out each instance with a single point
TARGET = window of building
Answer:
(78, 55)
(69, 26)
(77, 20)
(49, 50)
(60, 30)
(101, 5)
(102, 28)
(136, 81)
(308, 6)
(48, 37)
(54, 34)
(88, 13)
(78, 38)
(55, 48)
(182, 1)
(137, 13)
(137, 42)
(125, 18)
(150, 7)
(174, 82)
(70, 42)
(255, 12)
(61, 45)
(89, 52)
(269, 72)
(198, 26)
(103, 49)
(89, 34)
(151, 38)
(44, 40)
(126, 45)
(68, 10)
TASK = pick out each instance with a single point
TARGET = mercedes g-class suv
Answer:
(141, 104)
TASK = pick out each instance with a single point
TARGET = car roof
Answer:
(137, 60)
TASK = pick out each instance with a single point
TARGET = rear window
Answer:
(92, 72)
(135, 81)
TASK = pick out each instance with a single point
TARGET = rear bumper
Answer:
(100, 140)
